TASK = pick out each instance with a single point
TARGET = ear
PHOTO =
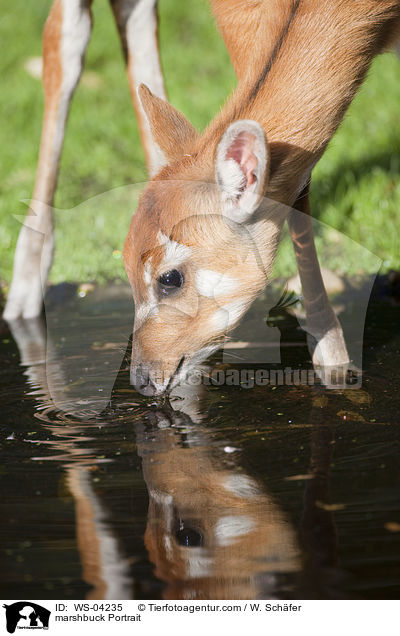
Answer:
(171, 131)
(242, 168)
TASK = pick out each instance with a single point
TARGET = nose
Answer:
(141, 380)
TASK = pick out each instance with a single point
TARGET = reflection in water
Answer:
(238, 501)
(213, 531)
(103, 566)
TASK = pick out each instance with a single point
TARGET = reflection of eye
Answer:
(170, 282)
(188, 536)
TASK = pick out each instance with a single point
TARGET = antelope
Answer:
(203, 239)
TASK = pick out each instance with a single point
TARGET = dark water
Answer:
(267, 492)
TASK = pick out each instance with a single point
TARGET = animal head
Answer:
(198, 251)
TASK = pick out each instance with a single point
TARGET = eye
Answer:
(187, 533)
(170, 282)
(189, 537)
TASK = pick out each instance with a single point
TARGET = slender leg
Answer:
(65, 38)
(137, 25)
(325, 335)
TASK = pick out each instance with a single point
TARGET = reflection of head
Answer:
(217, 538)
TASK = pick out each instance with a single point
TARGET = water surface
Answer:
(281, 492)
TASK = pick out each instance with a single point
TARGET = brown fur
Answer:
(185, 212)
(299, 64)
(52, 83)
(165, 119)
(52, 75)
(324, 53)
(323, 58)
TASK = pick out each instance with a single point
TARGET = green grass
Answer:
(356, 188)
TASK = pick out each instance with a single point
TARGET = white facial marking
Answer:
(228, 315)
(150, 308)
(241, 486)
(229, 528)
(199, 566)
(175, 253)
(212, 284)
(162, 238)
(147, 273)
(161, 497)
(166, 501)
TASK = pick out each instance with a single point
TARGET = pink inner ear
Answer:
(241, 151)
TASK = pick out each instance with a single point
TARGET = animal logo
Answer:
(26, 615)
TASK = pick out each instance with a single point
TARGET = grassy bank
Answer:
(356, 187)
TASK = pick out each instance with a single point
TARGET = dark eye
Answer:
(189, 537)
(170, 282)
(187, 534)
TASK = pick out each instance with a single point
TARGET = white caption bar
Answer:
(126, 617)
